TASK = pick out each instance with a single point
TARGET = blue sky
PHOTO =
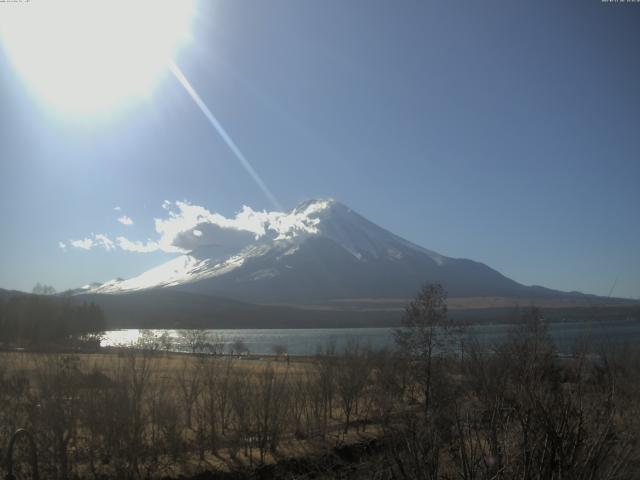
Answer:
(503, 131)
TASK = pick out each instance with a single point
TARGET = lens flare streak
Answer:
(223, 133)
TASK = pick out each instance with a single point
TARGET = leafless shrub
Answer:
(239, 347)
(268, 410)
(279, 349)
(194, 340)
(15, 403)
(352, 376)
(188, 377)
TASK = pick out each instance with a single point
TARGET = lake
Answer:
(307, 341)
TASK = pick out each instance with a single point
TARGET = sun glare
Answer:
(82, 56)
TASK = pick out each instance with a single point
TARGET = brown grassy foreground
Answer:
(140, 414)
(516, 412)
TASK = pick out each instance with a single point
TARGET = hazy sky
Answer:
(507, 132)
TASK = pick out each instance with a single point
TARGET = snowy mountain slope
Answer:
(320, 250)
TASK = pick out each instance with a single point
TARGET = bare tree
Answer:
(194, 340)
(212, 408)
(387, 388)
(426, 331)
(351, 380)
(240, 393)
(279, 349)
(166, 342)
(189, 381)
(56, 419)
(239, 347)
(214, 344)
(43, 289)
(135, 377)
(326, 367)
(269, 407)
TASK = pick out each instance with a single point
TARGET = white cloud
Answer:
(125, 220)
(117, 209)
(103, 241)
(95, 241)
(85, 243)
(62, 245)
(137, 246)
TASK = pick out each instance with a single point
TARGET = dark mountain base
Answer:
(164, 309)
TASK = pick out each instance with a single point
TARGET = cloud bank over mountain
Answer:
(188, 227)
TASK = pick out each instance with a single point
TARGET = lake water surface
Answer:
(307, 341)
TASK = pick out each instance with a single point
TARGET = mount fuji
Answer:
(318, 252)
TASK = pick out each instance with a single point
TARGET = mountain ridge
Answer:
(319, 251)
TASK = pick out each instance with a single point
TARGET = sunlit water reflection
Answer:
(307, 341)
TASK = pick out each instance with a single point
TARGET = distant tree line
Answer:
(36, 321)
(43, 289)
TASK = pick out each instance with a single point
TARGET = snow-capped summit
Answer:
(318, 251)
(362, 238)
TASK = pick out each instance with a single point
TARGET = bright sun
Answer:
(83, 56)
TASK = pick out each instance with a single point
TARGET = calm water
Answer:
(307, 341)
